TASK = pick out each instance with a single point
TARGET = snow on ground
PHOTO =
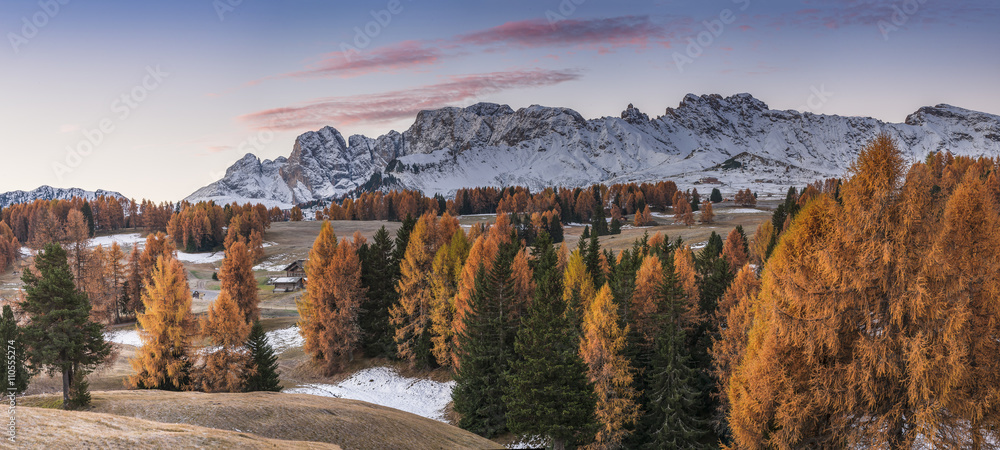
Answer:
(384, 386)
(271, 266)
(124, 240)
(201, 258)
(124, 337)
(284, 339)
(739, 211)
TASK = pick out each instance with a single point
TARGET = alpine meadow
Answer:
(194, 253)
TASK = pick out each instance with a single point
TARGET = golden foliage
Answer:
(167, 327)
(329, 308)
(603, 350)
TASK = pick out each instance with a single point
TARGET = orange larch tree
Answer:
(226, 326)
(603, 350)
(329, 308)
(164, 360)
(236, 277)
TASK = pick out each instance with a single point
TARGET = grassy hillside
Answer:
(55, 429)
(293, 417)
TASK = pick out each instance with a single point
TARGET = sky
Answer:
(157, 99)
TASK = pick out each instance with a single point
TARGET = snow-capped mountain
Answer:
(51, 193)
(737, 139)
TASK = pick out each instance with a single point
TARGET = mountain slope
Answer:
(51, 193)
(736, 139)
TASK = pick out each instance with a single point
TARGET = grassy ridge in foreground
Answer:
(350, 424)
(53, 428)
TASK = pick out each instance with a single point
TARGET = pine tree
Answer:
(547, 392)
(18, 375)
(236, 277)
(164, 360)
(603, 349)
(60, 337)
(616, 226)
(674, 396)
(226, 327)
(599, 225)
(483, 352)
(716, 196)
(262, 365)
(379, 274)
(695, 200)
(593, 260)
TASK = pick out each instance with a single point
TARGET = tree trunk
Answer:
(67, 376)
(559, 444)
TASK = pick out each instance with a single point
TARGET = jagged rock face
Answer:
(51, 193)
(704, 136)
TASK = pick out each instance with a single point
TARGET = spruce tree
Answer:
(593, 260)
(379, 274)
(11, 334)
(483, 350)
(616, 226)
(716, 196)
(60, 335)
(673, 396)
(263, 362)
(548, 393)
(600, 226)
(695, 200)
(586, 233)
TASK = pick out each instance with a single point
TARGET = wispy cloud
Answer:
(601, 34)
(392, 58)
(400, 104)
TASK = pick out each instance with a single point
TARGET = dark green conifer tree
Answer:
(593, 261)
(716, 196)
(379, 274)
(548, 393)
(485, 349)
(60, 336)
(616, 226)
(17, 374)
(263, 362)
(672, 415)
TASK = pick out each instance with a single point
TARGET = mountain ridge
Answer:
(46, 192)
(488, 144)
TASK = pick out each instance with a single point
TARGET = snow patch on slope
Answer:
(384, 386)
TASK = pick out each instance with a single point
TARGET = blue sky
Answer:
(155, 99)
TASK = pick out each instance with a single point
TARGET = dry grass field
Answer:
(260, 416)
(39, 428)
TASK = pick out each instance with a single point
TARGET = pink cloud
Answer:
(601, 34)
(219, 148)
(401, 104)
